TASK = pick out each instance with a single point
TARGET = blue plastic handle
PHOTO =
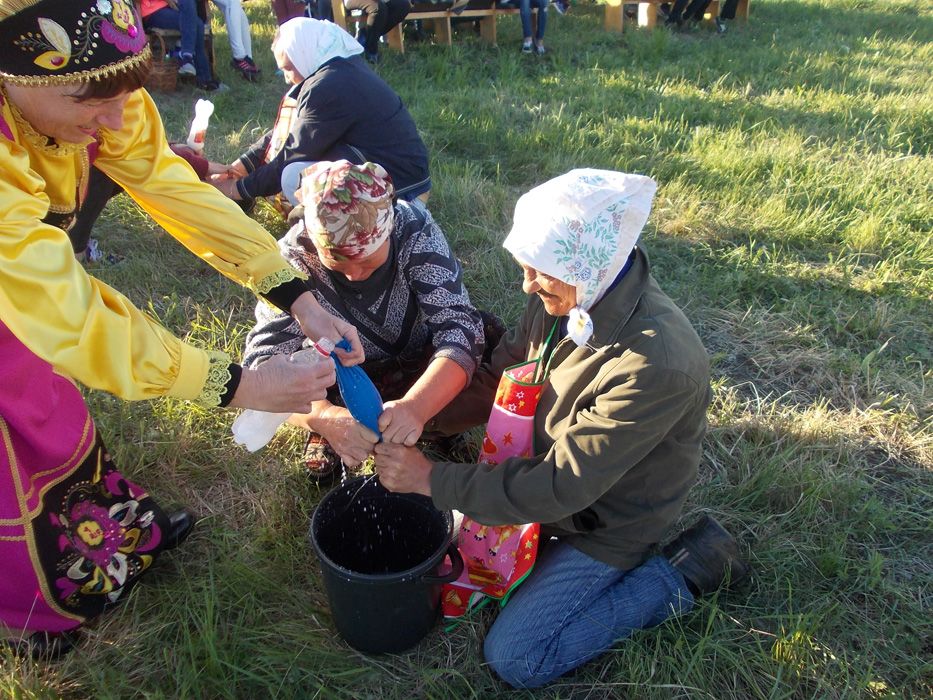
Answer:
(359, 394)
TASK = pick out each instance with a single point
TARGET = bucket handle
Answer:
(456, 561)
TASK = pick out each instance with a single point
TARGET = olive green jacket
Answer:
(618, 430)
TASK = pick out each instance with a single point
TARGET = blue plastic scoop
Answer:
(359, 394)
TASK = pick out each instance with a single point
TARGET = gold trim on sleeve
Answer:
(218, 376)
(270, 282)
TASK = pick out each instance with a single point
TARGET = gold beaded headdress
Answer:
(51, 42)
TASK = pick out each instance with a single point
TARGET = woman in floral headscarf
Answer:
(618, 436)
(336, 108)
(389, 271)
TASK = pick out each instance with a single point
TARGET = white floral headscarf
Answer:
(581, 228)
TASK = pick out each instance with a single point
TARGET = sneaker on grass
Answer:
(213, 86)
(247, 69)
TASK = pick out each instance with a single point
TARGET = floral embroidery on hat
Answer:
(114, 21)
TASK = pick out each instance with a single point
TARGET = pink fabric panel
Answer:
(47, 433)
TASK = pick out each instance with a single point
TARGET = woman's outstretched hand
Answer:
(280, 385)
(403, 469)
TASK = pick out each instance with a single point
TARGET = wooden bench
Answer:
(614, 19)
(439, 20)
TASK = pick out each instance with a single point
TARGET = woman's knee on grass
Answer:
(518, 664)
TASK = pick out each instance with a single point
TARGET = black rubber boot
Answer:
(181, 523)
(43, 646)
(707, 556)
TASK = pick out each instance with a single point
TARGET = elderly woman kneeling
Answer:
(617, 435)
(389, 268)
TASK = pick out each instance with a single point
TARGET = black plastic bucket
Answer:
(380, 554)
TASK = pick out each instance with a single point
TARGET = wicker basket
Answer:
(164, 73)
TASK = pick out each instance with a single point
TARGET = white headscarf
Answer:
(310, 43)
(581, 228)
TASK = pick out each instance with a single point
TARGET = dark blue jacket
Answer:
(346, 111)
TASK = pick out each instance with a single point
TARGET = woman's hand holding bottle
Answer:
(285, 384)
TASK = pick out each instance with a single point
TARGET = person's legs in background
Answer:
(192, 34)
(101, 189)
(397, 10)
(675, 16)
(726, 12)
(542, 24)
(170, 18)
(524, 13)
(238, 32)
(374, 19)
(696, 10)
(573, 608)
(185, 19)
(320, 9)
(387, 14)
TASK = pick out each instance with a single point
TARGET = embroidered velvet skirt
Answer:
(75, 534)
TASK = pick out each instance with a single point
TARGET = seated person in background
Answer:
(337, 108)
(618, 432)
(726, 13)
(694, 11)
(182, 15)
(241, 43)
(524, 13)
(388, 270)
(379, 18)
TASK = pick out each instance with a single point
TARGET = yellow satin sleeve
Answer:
(207, 223)
(88, 330)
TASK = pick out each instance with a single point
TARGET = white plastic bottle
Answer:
(254, 429)
(203, 109)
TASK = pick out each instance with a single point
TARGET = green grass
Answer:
(792, 223)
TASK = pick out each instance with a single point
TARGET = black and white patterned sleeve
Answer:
(275, 333)
(436, 278)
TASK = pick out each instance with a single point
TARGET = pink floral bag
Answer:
(497, 558)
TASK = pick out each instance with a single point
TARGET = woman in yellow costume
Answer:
(75, 534)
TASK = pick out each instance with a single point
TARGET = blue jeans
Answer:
(573, 608)
(185, 19)
(524, 11)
